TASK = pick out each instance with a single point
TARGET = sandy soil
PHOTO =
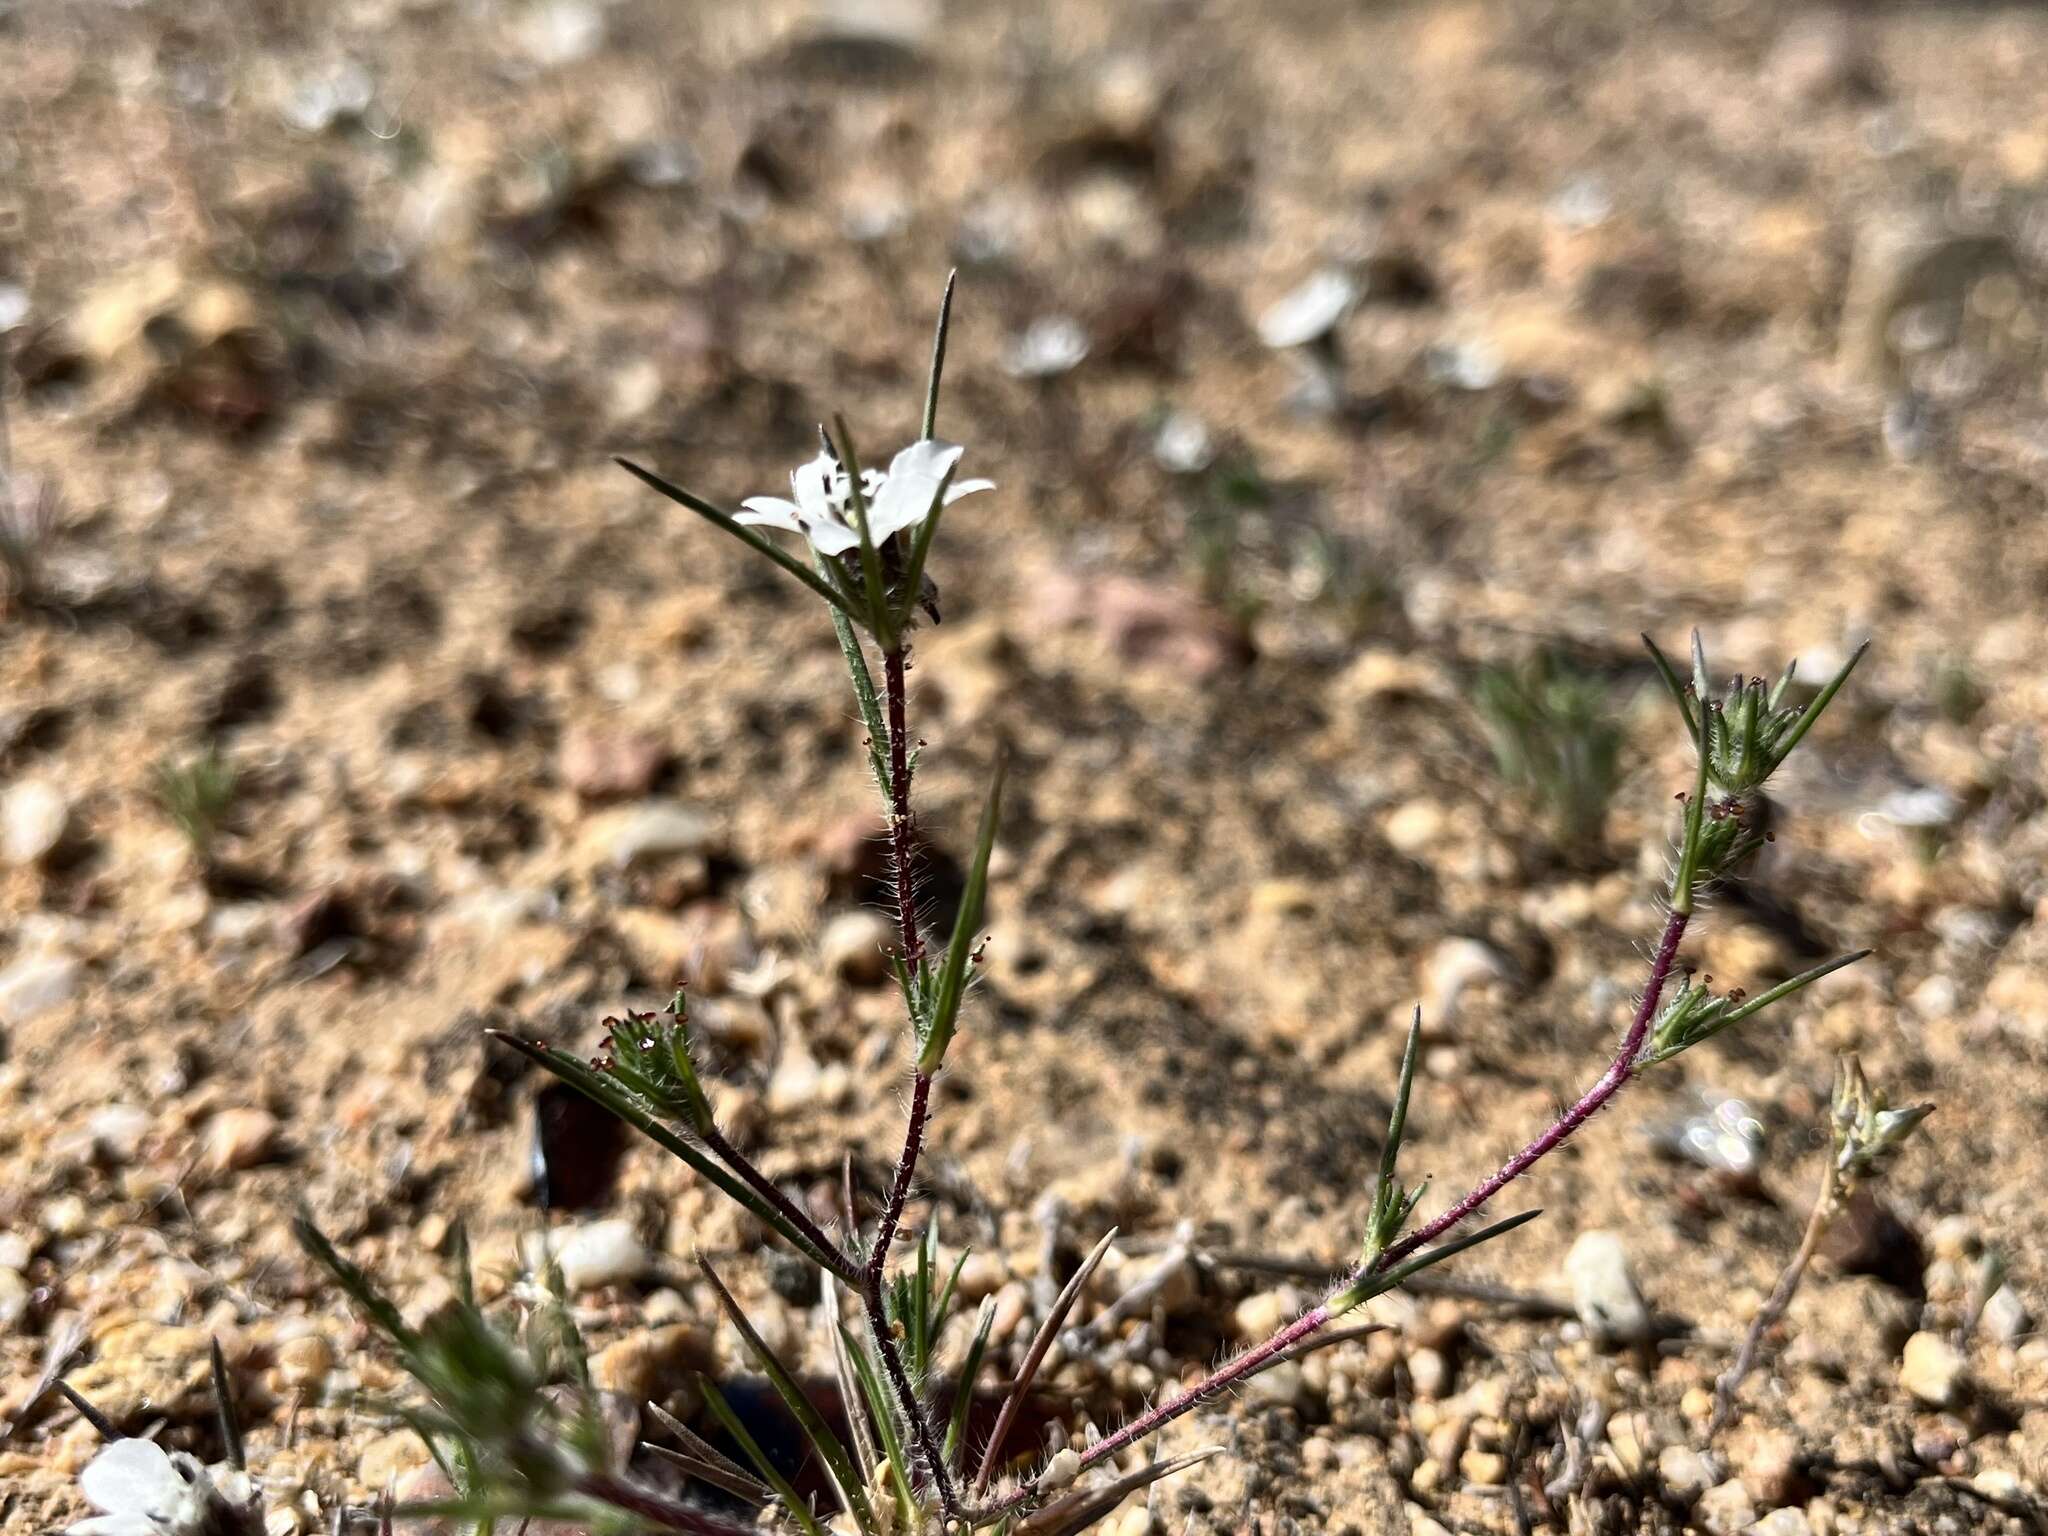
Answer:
(1671, 314)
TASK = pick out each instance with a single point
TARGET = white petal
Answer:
(829, 536)
(133, 1477)
(770, 512)
(814, 486)
(961, 488)
(906, 497)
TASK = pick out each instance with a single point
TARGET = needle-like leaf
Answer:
(601, 1089)
(931, 388)
(952, 978)
(847, 1480)
(740, 531)
(1034, 1357)
(790, 1499)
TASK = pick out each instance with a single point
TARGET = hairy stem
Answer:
(926, 1438)
(1618, 1072)
(901, 828)
(902, 853)
(1261, 1355)
(842, 1267)
(1824, 1208)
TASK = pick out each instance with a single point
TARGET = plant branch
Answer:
(716, 1144)
(1618, 1072)
(1824, 1208)
(1273, 1349)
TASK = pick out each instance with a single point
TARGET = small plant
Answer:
(868, 535)
(1867, 1135)
(198, 794)
(1556, 739)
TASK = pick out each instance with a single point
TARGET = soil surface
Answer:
(322, 324)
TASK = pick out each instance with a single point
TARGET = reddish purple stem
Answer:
(901, 829)
(1261, 1355)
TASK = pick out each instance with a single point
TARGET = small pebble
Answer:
(599, 1253)
(1604, 1292)
(35, 984)
(1933, 1370)
(240, 1138)
(1726, 1509)
(305, 1361)
(855, 947)
(34, 815)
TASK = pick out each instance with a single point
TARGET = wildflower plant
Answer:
(905, 1463)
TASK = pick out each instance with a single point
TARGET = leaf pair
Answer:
(1392, 1206)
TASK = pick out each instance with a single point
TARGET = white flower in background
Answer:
(897, 498)
(1310, 312)
(1050, 346)
(140, 1489)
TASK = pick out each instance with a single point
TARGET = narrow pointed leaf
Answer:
(952, 979)
(1695, 822)
(1374, 1285)
(864, 694)
(1034, 1357)
(740, 531)
(963, 1391)
(360, 1288)
(1820, 702)
(224, 1406)
(697, 1448)
(597, 1086)
(931, 388)
(1764, 999)
(883, 1412)
(1075, 1512)
(1397, 1121)
(784, 1493)
(847, 1379)
(848, 1481)
(1676, 688)
(870, 558)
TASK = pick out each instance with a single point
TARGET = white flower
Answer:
(1050, 346)
(900, 497)
(1310, 312)
(140, 1490)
